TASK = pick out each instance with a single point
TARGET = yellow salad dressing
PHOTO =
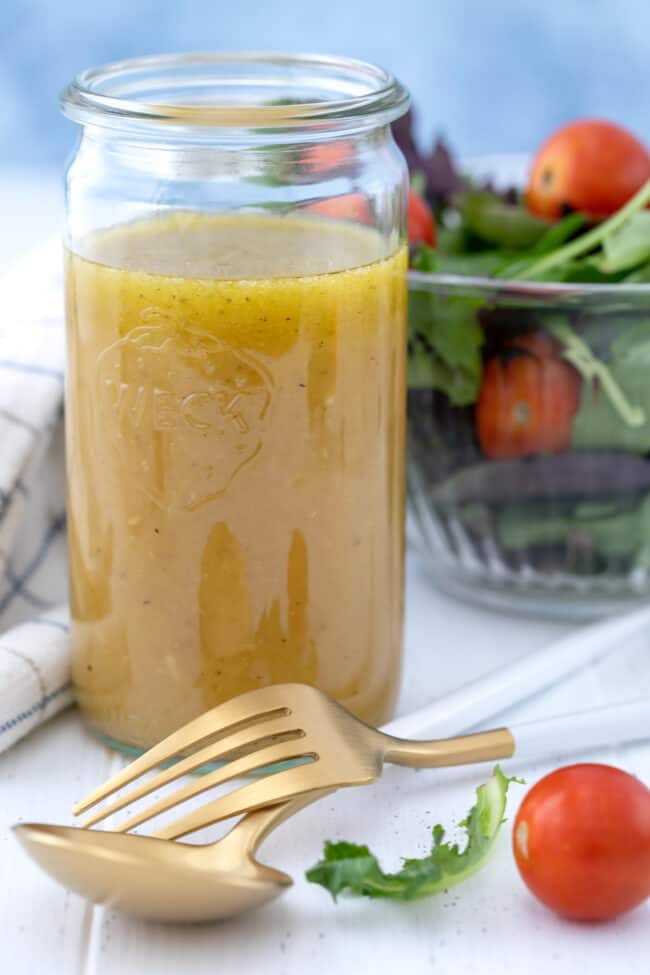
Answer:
(235, 417)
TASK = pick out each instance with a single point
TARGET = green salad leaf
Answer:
(456, 253)
(629, 246)
(556, 235)
(353, 868)
(599, 424)
(640, 276)
(586, 244)
(509, 226)
(445, 339)
(498, 238)
(599, 379)
(619, 529)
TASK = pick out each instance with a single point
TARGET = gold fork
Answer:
(265, 727)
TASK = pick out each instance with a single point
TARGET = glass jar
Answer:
(236, 306)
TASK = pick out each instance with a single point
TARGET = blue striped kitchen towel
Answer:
(34, 648)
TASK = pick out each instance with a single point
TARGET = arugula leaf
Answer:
(349, 867)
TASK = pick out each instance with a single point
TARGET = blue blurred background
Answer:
(492, 76)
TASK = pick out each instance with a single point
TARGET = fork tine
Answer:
(250, 736)
(282, 785)
(252, 707)
(249, 763)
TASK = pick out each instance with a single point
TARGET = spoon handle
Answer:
(248, 833)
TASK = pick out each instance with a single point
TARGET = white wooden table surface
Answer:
(490, 925)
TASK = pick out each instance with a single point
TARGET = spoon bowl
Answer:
(162, 880)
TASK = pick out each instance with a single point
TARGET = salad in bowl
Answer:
(529, 375)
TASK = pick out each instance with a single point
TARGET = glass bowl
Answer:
(556, 520)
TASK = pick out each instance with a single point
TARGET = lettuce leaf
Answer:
(445, 339)
(509, 226)
(598, 425)
(605, 529)
(629, 246)
(353, 868)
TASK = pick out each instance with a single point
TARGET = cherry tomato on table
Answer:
(581, 840)
(422, 226)
(527, 400)
(591, 166)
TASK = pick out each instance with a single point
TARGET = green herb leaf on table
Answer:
(353, 868)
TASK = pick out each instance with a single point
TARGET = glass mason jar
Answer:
(236, 306)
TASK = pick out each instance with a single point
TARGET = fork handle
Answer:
(565, 734)
(482, 746)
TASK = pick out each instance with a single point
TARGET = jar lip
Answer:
(150, 90)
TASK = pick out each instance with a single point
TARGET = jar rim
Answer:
(192, 89)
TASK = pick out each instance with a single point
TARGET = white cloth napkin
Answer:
(34, 646)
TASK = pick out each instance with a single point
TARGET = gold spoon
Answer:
(163, 881)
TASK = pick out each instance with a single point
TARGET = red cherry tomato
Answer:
(422, 226)
(537, 343)
(527, 401)
(354, 206)
(590, 166)
(349, 206)
(326, 156)
(581, 840)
